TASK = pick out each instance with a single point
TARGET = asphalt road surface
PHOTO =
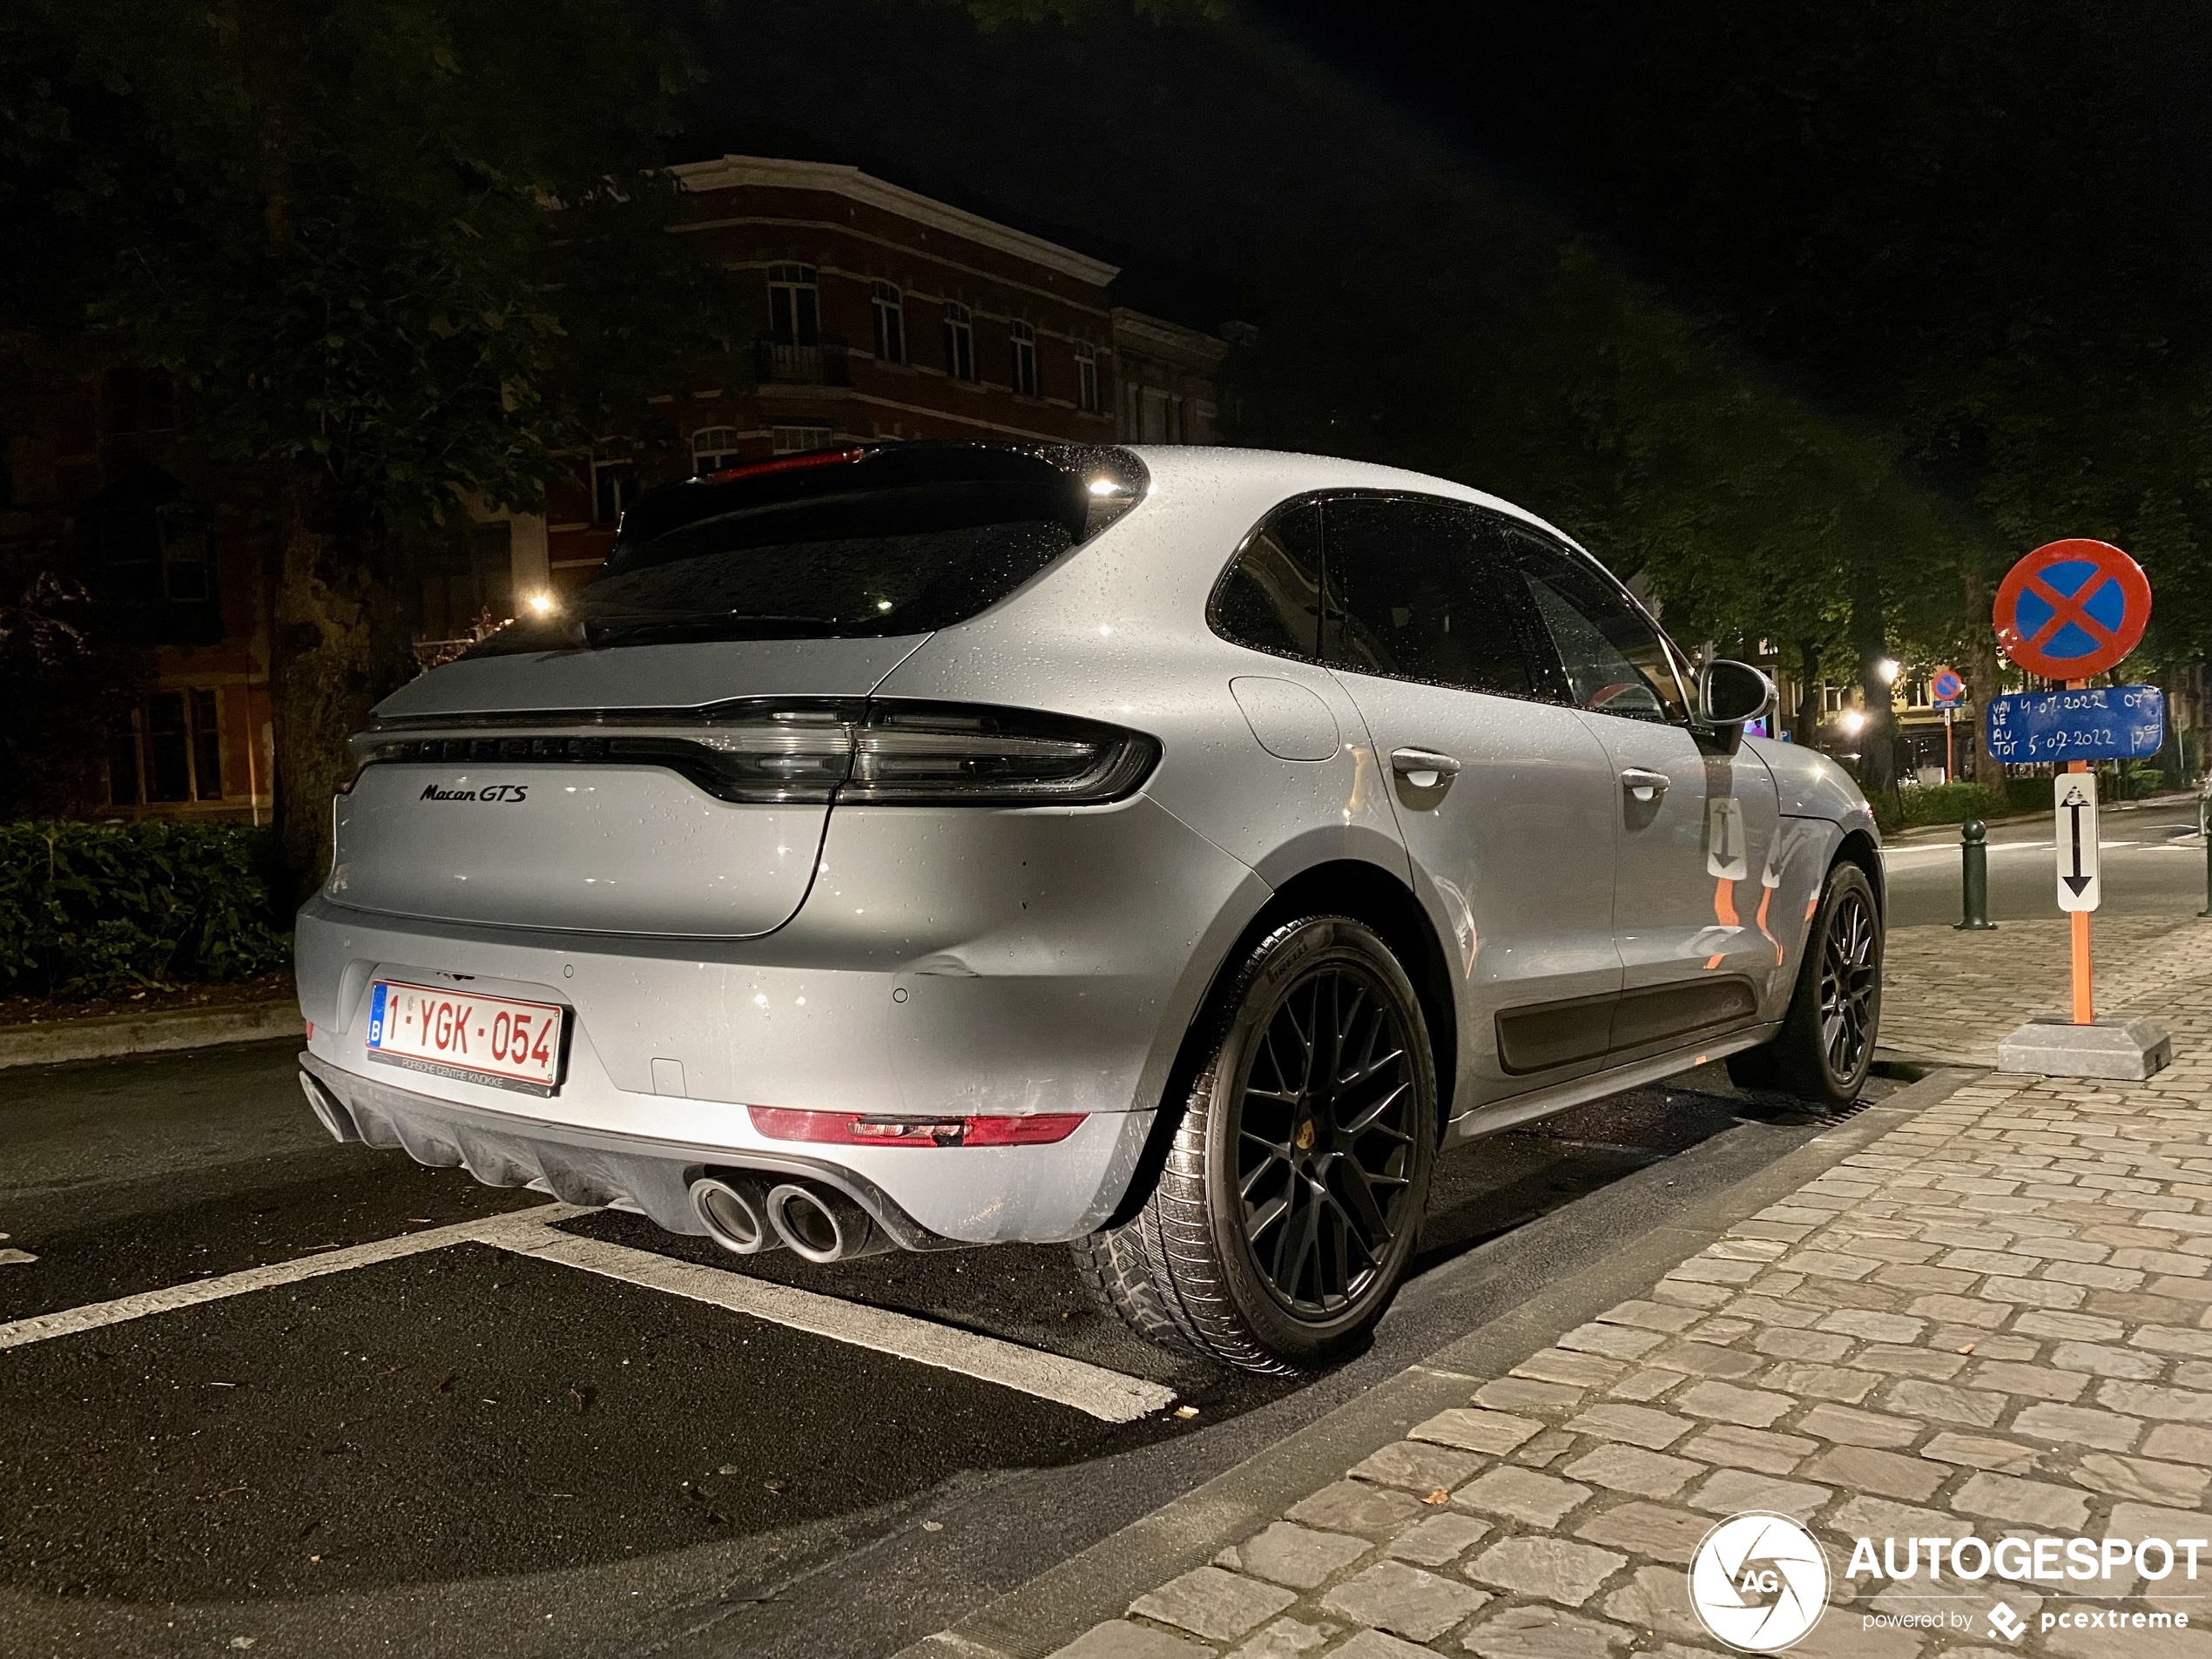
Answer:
(2152, 860)
(407, 1418)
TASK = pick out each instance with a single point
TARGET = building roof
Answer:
(732, 173)
(1193, 347)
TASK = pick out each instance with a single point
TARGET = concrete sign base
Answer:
(2130, 1050)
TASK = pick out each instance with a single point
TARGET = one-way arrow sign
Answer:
(2075, 799)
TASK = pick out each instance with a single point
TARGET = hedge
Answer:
(92, 909)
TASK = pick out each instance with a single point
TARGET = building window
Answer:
(1156, 415)
(206, 747)
(1021, 342)
(799, 437)
(140, 401)
(794, 305)
(186, 579)
(714, 448)
(613, 485)
(1087, 379)
(890, 307)
(959, 343)
(169, 749)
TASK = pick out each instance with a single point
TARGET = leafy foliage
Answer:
(1461, 333)
(90, 909)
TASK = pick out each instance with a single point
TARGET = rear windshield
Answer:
(901, 539)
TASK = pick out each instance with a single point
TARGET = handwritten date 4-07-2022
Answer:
(2098, 722)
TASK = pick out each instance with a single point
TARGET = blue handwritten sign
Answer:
(2107, 723)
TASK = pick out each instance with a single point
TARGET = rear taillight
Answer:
(855, 1129)
(928, 754)
(808, 751)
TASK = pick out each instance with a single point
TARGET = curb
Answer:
(1920, 834)
(109, 1035)
(1060, 1604)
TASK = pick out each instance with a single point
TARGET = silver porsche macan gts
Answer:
(1166, 852)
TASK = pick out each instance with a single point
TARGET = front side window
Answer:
(1271, 600)
(959, 343)
(890, 307)
(714, 448)
(1086, 380)
(794, 305)
(1615, 661)
(1022, 341)
(1415, 592)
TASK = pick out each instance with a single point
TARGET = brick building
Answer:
(881, 313)
(878, 314)
(81, 475)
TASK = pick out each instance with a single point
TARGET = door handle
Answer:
(1646, 786)
(1423, 768)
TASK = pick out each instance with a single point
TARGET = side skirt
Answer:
(1542, 1102)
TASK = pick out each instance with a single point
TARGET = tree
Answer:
(390, 250)
(1453, 331)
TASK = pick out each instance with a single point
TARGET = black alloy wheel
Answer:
(1325, 1140)
(1289, 1201)
(1825, 1046)
(1850, 978)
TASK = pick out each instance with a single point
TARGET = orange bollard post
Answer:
(2084, 997)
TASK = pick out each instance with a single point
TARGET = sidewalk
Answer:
(1950, 996)
(1993, 1318)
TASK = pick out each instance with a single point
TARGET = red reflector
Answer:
(783, 463)
(850, 1128)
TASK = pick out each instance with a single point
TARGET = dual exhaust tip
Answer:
(814, 1221)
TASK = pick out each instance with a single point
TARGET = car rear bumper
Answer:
(922, 1198)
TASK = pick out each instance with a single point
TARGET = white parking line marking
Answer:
(1101, 1393)
(1105, 1394)
(67, 1322)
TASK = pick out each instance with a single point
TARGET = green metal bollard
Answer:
(1974, 876)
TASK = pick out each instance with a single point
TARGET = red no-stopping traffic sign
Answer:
(2072, 608)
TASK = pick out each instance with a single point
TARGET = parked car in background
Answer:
(1164, 852)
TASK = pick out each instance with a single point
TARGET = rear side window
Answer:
(1616, 662)
(901, 539)
(1270, 599)
(1417, 591)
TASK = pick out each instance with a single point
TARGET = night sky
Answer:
(1187, 152)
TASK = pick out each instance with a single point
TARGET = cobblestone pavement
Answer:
(1949, 996)
(1996, 1320)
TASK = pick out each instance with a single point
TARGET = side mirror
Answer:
(1732, 693)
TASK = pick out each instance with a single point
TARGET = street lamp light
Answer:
(1853, 721)
(1889, 668)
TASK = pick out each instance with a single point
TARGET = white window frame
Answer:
(797, 437)
(889, 308)
(959, 341)
(794, 304)
(1021, 358)
(1087, 397)
(623, 479)
(717, 445)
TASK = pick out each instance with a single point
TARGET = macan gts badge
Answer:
(1165, 851)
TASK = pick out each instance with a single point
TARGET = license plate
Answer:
(493, 1040)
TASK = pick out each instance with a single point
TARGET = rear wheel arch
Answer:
(1354, 888)
(1370, 894)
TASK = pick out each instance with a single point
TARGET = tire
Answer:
(1287, 1209)
(1825, 1046)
